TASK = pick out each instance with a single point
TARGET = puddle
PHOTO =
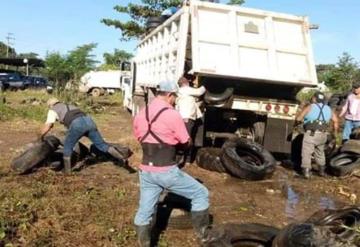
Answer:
(294, 199)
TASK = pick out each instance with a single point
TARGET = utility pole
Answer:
(9, 38)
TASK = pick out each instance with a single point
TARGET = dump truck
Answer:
(252, 63)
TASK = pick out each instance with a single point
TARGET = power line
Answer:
(10, 42)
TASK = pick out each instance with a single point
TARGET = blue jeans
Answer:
(174, 180)
(348, 127)
(83, 126)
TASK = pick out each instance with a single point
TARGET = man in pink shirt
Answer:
(351, 111)
(159, 128)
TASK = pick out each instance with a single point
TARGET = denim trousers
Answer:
(348, 127)
(173, 180)
(83, 126)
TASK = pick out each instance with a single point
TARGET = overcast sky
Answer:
(45, 25)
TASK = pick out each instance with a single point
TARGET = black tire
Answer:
(209, 159)
(218, 98)
(249, 235)
(344, 163)
(355, 134)
(35, 155)
(330, 147)
(245, 159)
(351, 146)
(335, 220)
(124, 150)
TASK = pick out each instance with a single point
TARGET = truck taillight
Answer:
(277, 108)
(286, 109)
(268, 107)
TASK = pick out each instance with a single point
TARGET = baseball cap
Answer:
(52, 101)
(168, 86)
(319, 96)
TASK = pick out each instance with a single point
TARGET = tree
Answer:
(4, 50)
(27, 55)
(236, 2)
(80, 61)
(113, 60)
(139, 13)
(340, 77)
(56, 68)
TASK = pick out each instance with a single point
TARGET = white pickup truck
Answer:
(252, 62)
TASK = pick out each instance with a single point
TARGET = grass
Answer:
(31, 104)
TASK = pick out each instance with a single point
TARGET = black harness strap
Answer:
(150, 132)
(321, 113)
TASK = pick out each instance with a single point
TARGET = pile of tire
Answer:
(347, 160)
(325, 228)
(49, 153)
(241, 158)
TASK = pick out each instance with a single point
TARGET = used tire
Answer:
(34, 155)
(96, 92)
(125, 151)
(351, 146)
(335, 220)
(344, 163)
(209, 159)
(245, 159)
(218, 98)
(241, 235)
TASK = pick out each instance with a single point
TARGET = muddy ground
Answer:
(96, 206)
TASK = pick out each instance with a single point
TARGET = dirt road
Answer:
(96, 206)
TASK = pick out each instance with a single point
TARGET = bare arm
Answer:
(344, 108)
(45, 129)
(335, 121)
(302, 114)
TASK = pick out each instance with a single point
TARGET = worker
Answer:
(316, 117)
(159, 128)
(351, 112)
(78, 124)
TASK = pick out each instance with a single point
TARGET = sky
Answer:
(43, 26)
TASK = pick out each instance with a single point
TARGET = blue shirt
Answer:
(314, 113)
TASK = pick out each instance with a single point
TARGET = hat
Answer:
(52, 101)
(168, 86)
(319, 96)
(356, 84)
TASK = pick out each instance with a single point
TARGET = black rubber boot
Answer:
(67, 165)
(306, 173)
(116, 154)
(144, 235)
(322, 171)
(201, 222)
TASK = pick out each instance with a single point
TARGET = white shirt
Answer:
(52, 117)
(186, 102)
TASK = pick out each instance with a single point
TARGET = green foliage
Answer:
(236, 2)
(340, 77)
(3, 50)
(56, 68)
(113, 60)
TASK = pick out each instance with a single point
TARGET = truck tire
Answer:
(34, 155)
(124, 150)
(344, 163)
(246, 159)
(96, 92)
(351, 146)
(330, 147)
(336, 219)
(218, 98)
(355, 134)
(209, 159)
(249, 235)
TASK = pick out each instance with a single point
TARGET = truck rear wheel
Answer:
(96, 92)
